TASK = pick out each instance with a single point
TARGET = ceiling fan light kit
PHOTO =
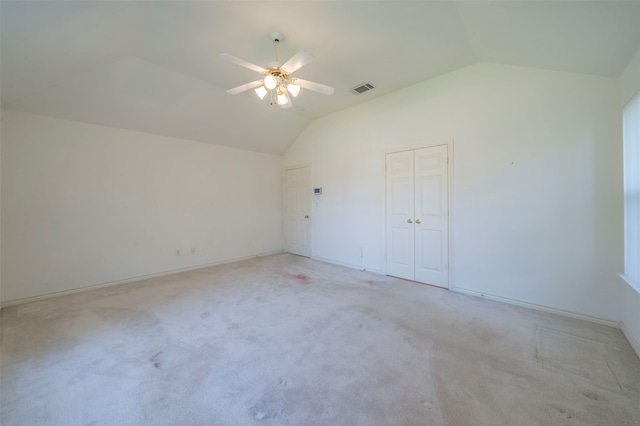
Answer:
(277, 81)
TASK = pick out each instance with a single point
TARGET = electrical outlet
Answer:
(193, 251)
(178, 253)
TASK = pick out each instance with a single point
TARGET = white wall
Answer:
(630, 298)
(630, 79)
(537, 185)
(84, 204)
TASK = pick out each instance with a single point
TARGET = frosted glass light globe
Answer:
(270, 82)
(294, 89)
(282, 99)
(261, 91)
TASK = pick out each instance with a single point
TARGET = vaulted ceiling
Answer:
(154, 66)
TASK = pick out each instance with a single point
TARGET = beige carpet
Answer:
(284, 340)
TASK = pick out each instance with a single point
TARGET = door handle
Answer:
(409, 221)
(418, 221)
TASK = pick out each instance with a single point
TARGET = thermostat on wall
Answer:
(317, 191)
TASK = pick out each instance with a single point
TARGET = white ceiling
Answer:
(153, 66)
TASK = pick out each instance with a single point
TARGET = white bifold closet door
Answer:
(417, 215)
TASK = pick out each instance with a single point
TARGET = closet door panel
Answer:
(431, 224)
(400, 212)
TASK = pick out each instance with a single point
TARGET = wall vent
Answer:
(361, 88)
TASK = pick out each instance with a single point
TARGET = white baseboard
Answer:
(616, 324)
(632, 341)
(132, 279)
(543, 308)
(347, 265)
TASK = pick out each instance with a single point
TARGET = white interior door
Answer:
(417, 215)
(400, 206)
(431, 216)
(298, 211)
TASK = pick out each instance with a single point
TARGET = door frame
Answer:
(284, 206)
(412, 147)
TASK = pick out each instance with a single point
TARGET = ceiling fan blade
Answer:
(242, 62)
(297, 61)
(244, 87)
(316, 87)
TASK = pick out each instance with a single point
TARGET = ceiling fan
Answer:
(277, 81)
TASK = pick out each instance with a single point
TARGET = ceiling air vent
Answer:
(360, 89)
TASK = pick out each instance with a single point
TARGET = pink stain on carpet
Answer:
(301, 277)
